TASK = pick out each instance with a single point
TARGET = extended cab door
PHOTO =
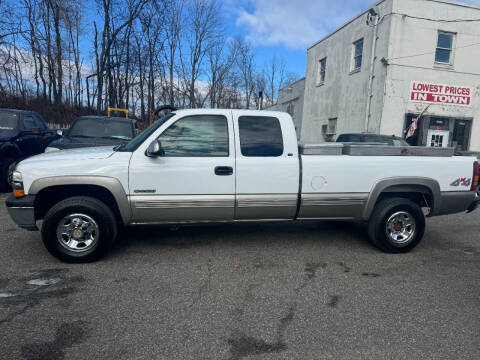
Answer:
(267, 176)
(195, 178)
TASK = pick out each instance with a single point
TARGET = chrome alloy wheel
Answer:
(77, 232)
(400, 227)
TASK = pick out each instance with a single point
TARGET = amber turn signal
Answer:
(18, 193)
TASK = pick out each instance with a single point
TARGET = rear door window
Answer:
(39, 123)
(260, 136)
(29, 122)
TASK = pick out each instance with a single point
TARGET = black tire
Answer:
(92, 208)
(377, 226)
(4, 185)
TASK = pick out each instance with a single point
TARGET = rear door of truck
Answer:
(267, 166)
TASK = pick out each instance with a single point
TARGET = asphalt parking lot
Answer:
(249, 291)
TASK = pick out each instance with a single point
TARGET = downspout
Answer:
(372, 68)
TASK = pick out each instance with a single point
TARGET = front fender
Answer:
(109, 183)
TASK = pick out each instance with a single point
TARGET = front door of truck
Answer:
(268, 171)
(194, 179)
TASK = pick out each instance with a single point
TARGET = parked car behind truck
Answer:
(90, 131)
(22, 134)
(371, 138)
(195, 166)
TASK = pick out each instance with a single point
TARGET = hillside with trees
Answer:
(60, 60)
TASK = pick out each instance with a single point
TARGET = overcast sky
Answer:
(288, 27)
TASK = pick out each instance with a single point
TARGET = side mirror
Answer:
(60, 132)
(155, 149)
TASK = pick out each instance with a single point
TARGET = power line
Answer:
(435, 20)
(424, 18)
(432, 52)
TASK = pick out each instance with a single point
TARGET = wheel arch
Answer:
(414, 188)
(51, 190)
(10, 150)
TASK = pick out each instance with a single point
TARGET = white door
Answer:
(437, 138)
(267, 167)
(194, 180)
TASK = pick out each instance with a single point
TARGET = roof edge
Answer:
(294, 82)
(447, 2)
(346, 24)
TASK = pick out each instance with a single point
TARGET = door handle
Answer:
(223, 170)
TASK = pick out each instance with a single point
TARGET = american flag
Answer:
(413, 127)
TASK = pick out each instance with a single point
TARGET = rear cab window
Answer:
(260, 136)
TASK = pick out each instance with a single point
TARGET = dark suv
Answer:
(372, 138)
(22, 134)
(90, 131)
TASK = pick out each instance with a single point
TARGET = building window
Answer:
(332, 126)
(260, 136)
(329, 130)
(291, 109)
(322, 68)
(444, 51)
(357, 55)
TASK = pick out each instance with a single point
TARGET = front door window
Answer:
(196, 136)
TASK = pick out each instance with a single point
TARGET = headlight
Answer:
(17, 184)
(50, 149)
(17, 177)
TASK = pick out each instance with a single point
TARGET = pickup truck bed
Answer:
(231, 165)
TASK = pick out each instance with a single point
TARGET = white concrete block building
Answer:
(290, 100)
(395, 61)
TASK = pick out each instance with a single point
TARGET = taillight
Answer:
(476, 175)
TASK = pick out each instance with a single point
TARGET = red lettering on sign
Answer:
(441, 94)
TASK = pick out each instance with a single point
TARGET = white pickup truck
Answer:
(196, 166)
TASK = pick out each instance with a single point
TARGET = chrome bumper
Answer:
(22, 211)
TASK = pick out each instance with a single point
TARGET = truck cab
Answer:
(232, 164)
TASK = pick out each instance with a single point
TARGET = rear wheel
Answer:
(4, 185)
(79, 229)
(397, 225)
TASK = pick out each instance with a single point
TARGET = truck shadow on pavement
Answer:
(321, 233)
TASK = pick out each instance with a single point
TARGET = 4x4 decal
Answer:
(462, 182)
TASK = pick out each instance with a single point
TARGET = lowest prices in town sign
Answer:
(421, 91)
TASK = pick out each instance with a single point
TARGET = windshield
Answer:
(8, 124)
(136, 142)
(102, 128)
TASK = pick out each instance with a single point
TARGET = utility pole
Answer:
(372, 15)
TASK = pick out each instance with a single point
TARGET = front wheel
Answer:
(397, 225)
(79, 229)
(4, 166)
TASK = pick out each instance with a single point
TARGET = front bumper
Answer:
(22, 211)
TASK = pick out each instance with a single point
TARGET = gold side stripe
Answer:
(170, 204)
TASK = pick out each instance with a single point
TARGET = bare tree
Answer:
(174, 10)
(202, 34)
(108, 37)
